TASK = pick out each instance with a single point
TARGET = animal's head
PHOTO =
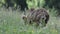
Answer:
(24, 17)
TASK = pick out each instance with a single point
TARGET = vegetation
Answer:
(12, 23)
(11, 20)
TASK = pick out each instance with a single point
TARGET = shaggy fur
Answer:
(37, 16)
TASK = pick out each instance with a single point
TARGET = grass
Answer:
(12, 23)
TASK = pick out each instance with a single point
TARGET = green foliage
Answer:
(42, 3)
(1, 2)
(53, 12)
(12, 23)
(34, 3)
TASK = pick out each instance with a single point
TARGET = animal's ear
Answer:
(32, 9)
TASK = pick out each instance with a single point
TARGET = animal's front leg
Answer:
(37, 23)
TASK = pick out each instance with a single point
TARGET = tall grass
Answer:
(12, 23)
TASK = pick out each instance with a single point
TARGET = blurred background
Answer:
(27, 4)
(12, 23)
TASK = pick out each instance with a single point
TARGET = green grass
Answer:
(12, 23)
